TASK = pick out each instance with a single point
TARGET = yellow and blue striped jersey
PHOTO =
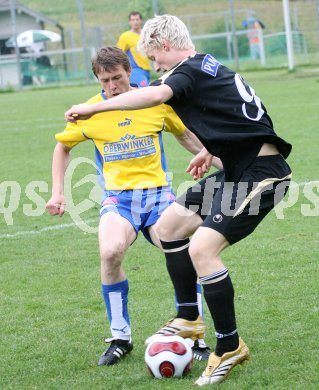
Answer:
(128, 144)
(128, 43)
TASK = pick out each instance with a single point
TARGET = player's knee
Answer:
(113, 254)
(205, 256)
(195, 251)
(199, 252)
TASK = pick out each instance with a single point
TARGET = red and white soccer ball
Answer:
(168, 356)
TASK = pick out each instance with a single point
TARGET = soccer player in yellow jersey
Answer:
(140, 64)
(132, 165)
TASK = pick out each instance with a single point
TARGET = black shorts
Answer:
(236, 209)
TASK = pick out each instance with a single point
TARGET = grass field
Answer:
(52, 313)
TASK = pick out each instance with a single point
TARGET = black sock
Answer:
(219, 296)
(183, 275)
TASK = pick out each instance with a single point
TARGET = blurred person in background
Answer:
(140, 64)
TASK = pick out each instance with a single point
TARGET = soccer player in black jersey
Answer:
(228, 117)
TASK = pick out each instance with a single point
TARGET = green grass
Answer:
(52, 313)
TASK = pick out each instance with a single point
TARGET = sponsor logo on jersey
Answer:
(126, 122)
(210, 65)
(217, 218)
(128, 147)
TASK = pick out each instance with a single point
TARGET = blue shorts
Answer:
(140, 77)
(142, 208)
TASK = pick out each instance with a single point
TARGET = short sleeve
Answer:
(122, 43)
(181, 82)
(72, 135)
(173, 123)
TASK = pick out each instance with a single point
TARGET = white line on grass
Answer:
(56, 119)
(46, 229)
(71, 225)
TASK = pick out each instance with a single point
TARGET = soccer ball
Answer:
(168, 356)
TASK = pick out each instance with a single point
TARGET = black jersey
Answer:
(223, 111)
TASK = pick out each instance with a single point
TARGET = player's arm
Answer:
(189, 141)
(217, 163)
(132, 100)
(60, 162)
(198, 165)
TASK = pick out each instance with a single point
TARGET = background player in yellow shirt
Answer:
(140, 64)
(133, 171)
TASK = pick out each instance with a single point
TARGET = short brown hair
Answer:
(108, 58)
(133, 13)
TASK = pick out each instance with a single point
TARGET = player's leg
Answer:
(187, 323)
(116, 234)
(180, 221)
(263, 184)
(159, 206)
(175, 244)
(201, 351)
(205, 249)
(204, 252)
(174, 227)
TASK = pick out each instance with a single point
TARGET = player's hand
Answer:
(79, 112)
(56, 205)
(200, 164)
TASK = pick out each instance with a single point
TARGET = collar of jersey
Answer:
(169, 72)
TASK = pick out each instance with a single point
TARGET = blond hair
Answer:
(165, 28)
